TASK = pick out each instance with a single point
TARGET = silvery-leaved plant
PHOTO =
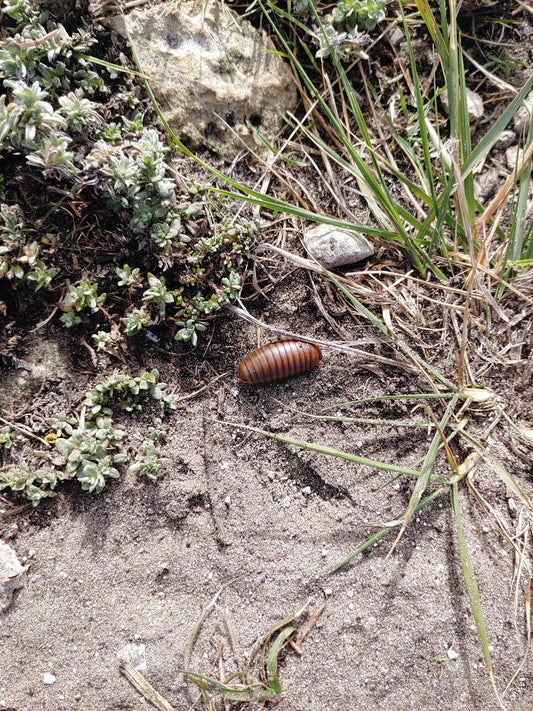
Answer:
(19, 258)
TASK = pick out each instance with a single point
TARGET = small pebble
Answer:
(513, 156)
(523, 115)
(286, 502)
(452, 654)
(474, 101)
(306, 491)
(135, 654)
(506, 139)
(49, 678)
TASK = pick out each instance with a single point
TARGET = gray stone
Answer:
(211, 73)
(12, 575)
(506, 139)
(332, 247)
(474, 101)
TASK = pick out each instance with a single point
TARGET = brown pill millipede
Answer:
(277, 361)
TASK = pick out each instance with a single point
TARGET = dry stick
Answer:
(204, 387)
(25, 430)
(46, 320)
(208, 463)
(14, 511)
(139, 682)
(311, 622)
(232, 641)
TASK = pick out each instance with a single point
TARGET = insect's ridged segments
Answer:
(277, 361)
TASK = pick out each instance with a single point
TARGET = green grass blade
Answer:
(426, 471)
(272, 659)
(332, 452)
(517, 230)
(434, 30)
(253, 690)
(381, 534)
(481, 150)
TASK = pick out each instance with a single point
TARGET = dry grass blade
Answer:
(503, 193)
(523, 532)
(500, 470)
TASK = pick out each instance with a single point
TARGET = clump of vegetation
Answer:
(89, 442)
(345, 29)
(128, 392)
(5, 437)
(185, 257)
(148, 461)
(36, 484)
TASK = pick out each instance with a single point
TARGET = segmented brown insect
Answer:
(277, 361)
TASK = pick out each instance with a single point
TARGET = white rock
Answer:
(135, 654)
(474, 101)
(452, 654)
(12, 575)
(332, 247)
(211, 72)
(49, 678)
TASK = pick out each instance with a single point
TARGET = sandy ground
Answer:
(138, 563)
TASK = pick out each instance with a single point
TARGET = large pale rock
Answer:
(332, 247)
(12, 575)
(211, 73)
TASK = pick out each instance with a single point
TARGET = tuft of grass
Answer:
(257, 681)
